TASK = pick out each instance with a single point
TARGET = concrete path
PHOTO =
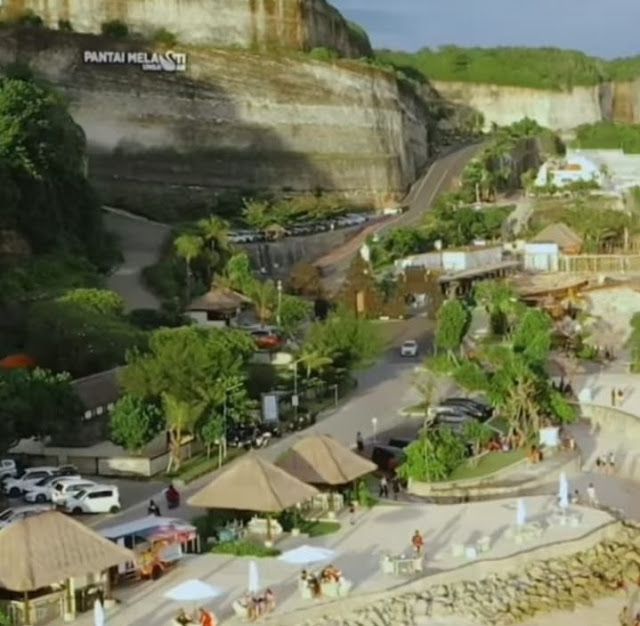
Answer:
(358, 549)
(519, 218)
(141, 241)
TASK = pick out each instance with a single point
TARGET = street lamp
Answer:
(374, 428)
(279, 287)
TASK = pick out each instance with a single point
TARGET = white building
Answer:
(454, 259)
(541, 257)
(575, 167)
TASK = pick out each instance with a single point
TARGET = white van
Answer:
(95, 499)
(15, 487)
(15, 514)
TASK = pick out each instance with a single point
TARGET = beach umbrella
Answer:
(193, 591)
(98, 613)
(521, 513)
(254, 578)
(305, 555)
(563, 491)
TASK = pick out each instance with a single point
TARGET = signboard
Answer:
(269, 407)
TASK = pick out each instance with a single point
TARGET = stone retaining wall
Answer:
(560, 576)
(483, 487)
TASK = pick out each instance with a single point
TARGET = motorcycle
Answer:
(173, 498)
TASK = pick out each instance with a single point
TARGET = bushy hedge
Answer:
(609, 136)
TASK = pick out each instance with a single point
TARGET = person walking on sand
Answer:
(592, 499)
(384, 487)
(359, 442)
(417, 542)
(611, 462)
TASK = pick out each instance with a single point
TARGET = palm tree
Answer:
(313, 360)
(215, 234)
(188, 247)
(264, 295)
(181, 417)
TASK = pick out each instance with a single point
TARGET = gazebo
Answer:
(49, 551)
(218, 306)
(321, 460)
(253, 484)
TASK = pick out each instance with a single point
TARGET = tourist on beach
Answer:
(591, 495)
(359, 442)
(418, 543)
(611, 462)
(575, 497)
(206, 618)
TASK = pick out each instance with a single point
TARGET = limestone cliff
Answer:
(559, 110)
(256, 24)
(233, 121)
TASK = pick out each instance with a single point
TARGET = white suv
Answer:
(67, 487)
(96, 499)
(9, 516)
(42, 490)
(15, 487)
(409, 348)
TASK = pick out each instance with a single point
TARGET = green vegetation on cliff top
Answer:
(609, 136)
(535, 68)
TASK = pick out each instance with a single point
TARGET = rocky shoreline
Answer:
(515, 597)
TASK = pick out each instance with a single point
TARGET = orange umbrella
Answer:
(16, 361)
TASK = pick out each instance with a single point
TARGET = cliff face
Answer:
(294, 24)
(559, 110)
(505, 105)
(234, 121)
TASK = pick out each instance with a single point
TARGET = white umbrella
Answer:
(305, 555)
(563, 491)
(98, 613)
(254, 578)
(193, 591)
(521, 513)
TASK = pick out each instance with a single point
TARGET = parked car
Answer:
(473, 407)
(96, 499)
(8, 469)
(387, 458)
(66, 487)
(42, 490)
(409, 348)
(15, 514)
(15, 487)
(399, 442)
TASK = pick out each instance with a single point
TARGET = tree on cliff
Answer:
(188, 248)
(43, 189)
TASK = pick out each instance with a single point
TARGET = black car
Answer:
(387, 458)
(470, 406)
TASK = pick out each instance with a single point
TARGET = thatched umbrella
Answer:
(321, 460)
(51, 548)
(253, 484)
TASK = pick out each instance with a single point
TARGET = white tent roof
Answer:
(146, 523)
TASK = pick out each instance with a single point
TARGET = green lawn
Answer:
(199, 465)
(488, 464)
(318, 529)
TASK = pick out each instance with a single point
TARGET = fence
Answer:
(598, 263)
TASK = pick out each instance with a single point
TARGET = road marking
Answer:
(423, 182)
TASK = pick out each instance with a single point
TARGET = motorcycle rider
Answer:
(173, 496)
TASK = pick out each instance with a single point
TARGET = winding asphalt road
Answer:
(440, 177)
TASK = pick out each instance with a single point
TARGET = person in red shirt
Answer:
(418, 542)
(206, 618)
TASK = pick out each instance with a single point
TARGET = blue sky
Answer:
(606, 28)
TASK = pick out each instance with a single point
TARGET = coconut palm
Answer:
(181, 418)
(313, 360)
(188, 248)
(264, 295)
(215, 234)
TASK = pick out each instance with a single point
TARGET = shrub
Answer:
(245, 548)
(323, 54)
(164, 37)
(29, 18)
(65, 25)
(115, 28)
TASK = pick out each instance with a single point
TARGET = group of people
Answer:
(204, 618)
(592, 499)
(256, 605)
(384, 487)
(606, 464)
(313, 582)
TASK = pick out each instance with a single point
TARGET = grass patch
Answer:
(487, 464)
(199, 465)
(440, 365)
(318, 528)
(245, 548)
